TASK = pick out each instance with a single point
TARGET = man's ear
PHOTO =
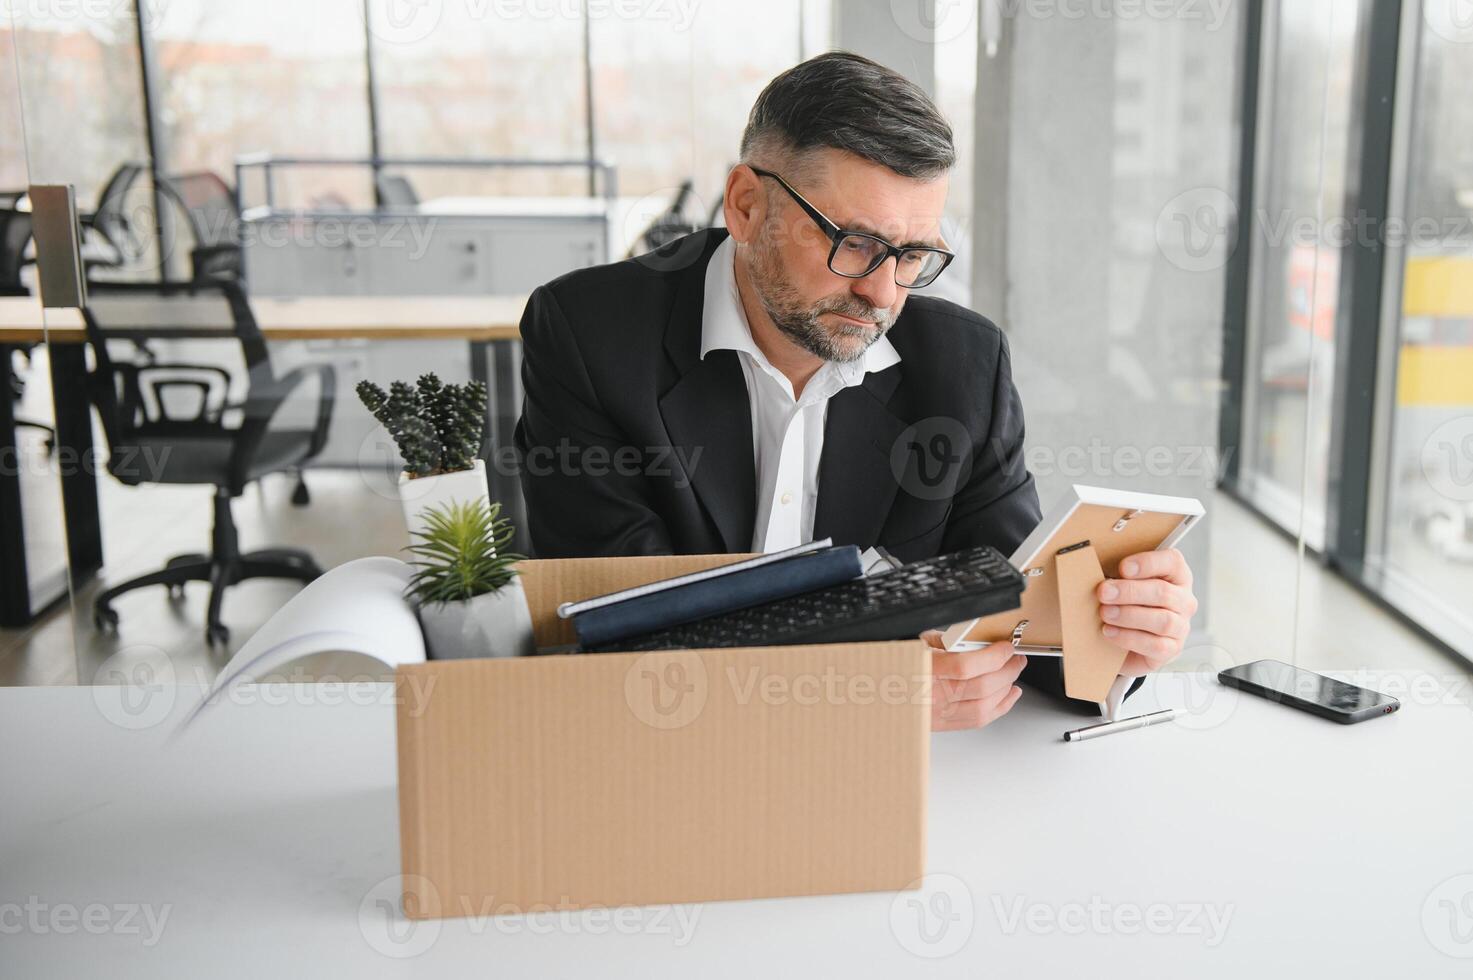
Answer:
(745, 203)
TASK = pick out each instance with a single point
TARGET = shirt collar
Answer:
(724, 322)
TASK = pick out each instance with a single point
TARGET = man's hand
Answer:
(973, 688)
(1148, 610)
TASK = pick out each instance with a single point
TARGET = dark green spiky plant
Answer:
(436, 426)
(461, 553)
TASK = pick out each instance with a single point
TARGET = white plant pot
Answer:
(497, 624)
(420, 494)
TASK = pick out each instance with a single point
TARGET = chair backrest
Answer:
(110, 198)
(110, 218)
(209, 204)
(395, 191)
(137, 312)
(15, 234)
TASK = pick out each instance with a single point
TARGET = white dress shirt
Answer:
(787, 432)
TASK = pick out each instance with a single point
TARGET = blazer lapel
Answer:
(856, 485)
(708, 416)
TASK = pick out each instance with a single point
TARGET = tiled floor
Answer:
(1252, 600)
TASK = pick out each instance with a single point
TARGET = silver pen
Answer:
(1123, 725)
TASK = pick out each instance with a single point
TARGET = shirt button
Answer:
(787, 498)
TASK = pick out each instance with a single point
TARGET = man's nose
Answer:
(878, 288)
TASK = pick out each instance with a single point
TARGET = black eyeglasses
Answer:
(855, 254)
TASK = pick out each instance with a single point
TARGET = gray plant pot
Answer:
(493, 625)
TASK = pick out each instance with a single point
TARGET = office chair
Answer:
(209, 207)
(15, 235)
(174, 423)
(395, 191)
(110, 221)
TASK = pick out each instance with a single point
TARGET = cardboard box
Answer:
(570, 781)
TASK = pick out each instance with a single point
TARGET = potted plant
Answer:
(465, 585)
(438, 428)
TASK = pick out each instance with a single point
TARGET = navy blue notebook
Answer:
(714, 596)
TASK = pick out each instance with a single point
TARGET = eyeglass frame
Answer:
(835, 235)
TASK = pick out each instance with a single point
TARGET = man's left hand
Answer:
(1148, 609)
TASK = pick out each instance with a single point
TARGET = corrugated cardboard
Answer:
(610, 779)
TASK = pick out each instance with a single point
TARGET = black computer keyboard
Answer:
(895, 605)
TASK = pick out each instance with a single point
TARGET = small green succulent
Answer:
(461, 553)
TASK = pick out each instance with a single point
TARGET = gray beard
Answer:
(800, 323)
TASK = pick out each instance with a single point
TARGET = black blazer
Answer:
(631, 444)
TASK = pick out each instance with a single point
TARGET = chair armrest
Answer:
(328, 379)
(215, 378)
(265, 401)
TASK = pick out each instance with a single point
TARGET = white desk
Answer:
(262, 832)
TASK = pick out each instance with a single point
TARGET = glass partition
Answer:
(428, 173)
(1104, 163)
(1422, 533)
(1159, 206)
(37, 644)
(1305, 126)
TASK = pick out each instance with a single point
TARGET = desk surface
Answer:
(1246, 839)
(313, 318)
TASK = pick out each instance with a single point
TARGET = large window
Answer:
(671, 96)
(1427, 553)
(13, 171)
(487, 80)
(79, 90)
(271, 76)
(1304, 128)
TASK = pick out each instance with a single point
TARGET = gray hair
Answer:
(846, 102)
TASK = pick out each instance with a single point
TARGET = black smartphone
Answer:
(1315, 693)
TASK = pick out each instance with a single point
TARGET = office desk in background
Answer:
(488, 323)
(1245, 839)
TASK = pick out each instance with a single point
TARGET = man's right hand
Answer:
(972, 688)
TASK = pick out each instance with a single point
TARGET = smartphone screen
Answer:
(1276, 677)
